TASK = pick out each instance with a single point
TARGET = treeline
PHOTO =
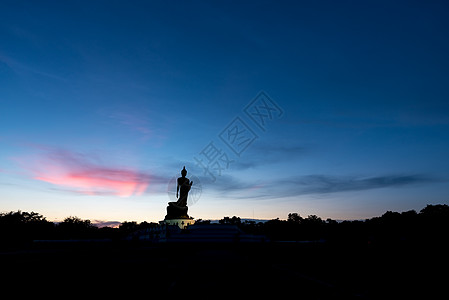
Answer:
(21, 228)
(430, 224)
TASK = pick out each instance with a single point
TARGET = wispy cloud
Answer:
(16, 67)
(228, 186)
(133, 122)
(262, 154)
(323, 184)
(85, 174)
(139, 121)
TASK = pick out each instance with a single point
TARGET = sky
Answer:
(333, 108)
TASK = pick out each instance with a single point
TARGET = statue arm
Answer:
(177, 189)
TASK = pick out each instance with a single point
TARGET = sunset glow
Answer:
(124, 185)
(79, 173)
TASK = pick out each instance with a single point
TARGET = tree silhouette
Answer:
(313, 219)
(128, 226)
(439, 211)
(294, 217)
(234, 220)
(21, 227)
(75, 228)
(428, 226)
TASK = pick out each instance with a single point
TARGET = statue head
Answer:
(184, 171)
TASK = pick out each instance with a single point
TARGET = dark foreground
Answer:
(299, 270)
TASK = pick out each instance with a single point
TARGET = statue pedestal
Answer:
(176, 212)
(177, 215)
(181, 223)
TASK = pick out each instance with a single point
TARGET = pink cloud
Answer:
(80, 172)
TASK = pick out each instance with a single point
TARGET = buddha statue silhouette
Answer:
(178, 209)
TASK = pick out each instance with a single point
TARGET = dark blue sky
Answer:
(103, 102)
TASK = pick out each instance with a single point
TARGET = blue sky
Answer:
(103, 102)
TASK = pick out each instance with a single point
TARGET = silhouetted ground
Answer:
(395, 256)
(299, 270)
